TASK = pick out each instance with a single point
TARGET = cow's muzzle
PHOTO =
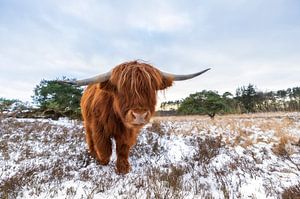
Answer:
(138, 117)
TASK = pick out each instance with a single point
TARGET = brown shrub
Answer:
(291, 192)
(207, 149)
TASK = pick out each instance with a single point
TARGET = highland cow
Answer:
(117, 104)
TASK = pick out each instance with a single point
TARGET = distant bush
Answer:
(14, 107)
(7, 104)
(206, 102)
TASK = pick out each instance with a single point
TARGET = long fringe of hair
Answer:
(136, 77)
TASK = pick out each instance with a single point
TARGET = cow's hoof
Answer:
(123, 167)
(104, 161)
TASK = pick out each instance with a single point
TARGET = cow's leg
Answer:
(123, 144)
(122, 150)
(89, 141)
(102, 147)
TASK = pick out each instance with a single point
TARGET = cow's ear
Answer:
(107, 86)
(166, 82)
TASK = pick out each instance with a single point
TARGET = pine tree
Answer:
(56, 99)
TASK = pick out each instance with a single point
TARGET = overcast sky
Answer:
(243, 41)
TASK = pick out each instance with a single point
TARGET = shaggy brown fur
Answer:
(109, 109)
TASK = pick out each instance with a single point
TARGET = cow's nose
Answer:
(139, 118)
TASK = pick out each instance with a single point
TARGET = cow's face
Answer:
(134, 89)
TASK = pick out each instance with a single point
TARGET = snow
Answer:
(253, 186)
(230, 157)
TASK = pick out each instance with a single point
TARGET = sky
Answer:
(243, 41)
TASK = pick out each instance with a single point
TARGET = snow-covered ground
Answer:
(242, 156)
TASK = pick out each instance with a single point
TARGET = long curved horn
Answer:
(183, 77)
(97, 79)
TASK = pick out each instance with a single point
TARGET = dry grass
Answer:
(243, 127)
(267, 115)
(284, 147)
(156, 127)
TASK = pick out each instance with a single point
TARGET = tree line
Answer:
(53, 99)
(247, 99)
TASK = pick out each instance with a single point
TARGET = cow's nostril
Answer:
(133, 115)
(144, 115)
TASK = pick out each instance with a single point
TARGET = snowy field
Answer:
(239, 156)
